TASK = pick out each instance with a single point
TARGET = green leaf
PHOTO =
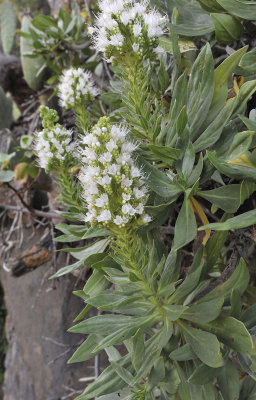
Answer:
(200, 89)
(124, 374)
(204, 344)
(248, 389)
(183, 353)
(248, 61)
(238, 281)
(165, 153)
(6, 176)
(233, 333)
(43, 22)
(210, 5)
(192, 30)
(84, 252)
(173, 312)
(157, 180)
(6, 157)
(204, 312)
(138, 350)
(96, 283)
(232, 170)
(240, 221)
(241, 143)
(241, 8)
(86, 350)
(68, 269)
(204, 374)
(184, 45)
(214, 129)
(221, 77)
(179, 100)
(185, 227)
(8, 26)
(191, 280)
(157, 373)
(227, 28)
(109, 323)
(26, 141)
(188, 160)
(228, 381)
(226, 197)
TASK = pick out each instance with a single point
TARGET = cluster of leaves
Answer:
(59, 42)
(183, 336)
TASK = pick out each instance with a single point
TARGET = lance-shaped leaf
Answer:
(185, 227)
(226, 197)
(232, 170)
(233, 333)
(205, 345)
(228, 381)
(241, 8)
(157, 180)
(221, 77)
(240, 221)
(204, 374)
(200, 89)
(183, 353)
(204, 312)
(107, 324)
(238, 281)
(227, 28)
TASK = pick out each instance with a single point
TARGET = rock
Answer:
(39, 313)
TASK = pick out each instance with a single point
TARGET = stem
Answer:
(129, 249)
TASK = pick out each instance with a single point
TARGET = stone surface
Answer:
(39, 313)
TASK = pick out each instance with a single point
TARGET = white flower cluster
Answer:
(112, 185)
(53, 146)
(126, 27)
(75, 87)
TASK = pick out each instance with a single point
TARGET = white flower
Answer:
(125, 17)
(102, 200)
(146, 218)
(105, 180)
(118, 220)
(106, 157)
(136, 47)
(140, 209)
(139, 193)
(117, 40)
(128, 209)
(111, 145)
(126, 197)
(126, 182)
(104, 216)
(114, 169)
(137, 28)
(135, 172)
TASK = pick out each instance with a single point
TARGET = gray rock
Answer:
(39, 313)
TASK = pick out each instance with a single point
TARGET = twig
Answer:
(54, 341)
(19, 195)
(44, 214)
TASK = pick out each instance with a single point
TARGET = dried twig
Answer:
(39, 213)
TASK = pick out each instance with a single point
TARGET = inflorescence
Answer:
(76, 87)
(53, 145)
(128, 27)
(113, 187)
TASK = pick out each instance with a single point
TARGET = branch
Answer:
(44, 214)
